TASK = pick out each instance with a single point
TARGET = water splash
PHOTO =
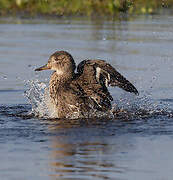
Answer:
(124, 106)
(37, 94)
(142, 106)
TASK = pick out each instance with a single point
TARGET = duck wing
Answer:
(94, 77)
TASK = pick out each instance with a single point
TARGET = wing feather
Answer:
(94, 76)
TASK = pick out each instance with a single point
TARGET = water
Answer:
(137, 144)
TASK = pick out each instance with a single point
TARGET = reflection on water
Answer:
(87, 160)
(136, 144)
(89, 156)
(99, 154)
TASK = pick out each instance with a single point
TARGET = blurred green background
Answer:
(83, 7)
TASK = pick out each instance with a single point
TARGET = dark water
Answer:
(137, 144)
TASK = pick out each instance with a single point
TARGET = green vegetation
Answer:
(82, 7)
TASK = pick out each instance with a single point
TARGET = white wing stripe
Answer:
(98, 70)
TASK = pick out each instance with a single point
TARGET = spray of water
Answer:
(126, 105)
(37, 95)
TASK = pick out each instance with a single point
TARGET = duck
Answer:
(85, 90)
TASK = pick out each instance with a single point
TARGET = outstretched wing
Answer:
(94, 76)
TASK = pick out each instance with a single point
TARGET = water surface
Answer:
(131, 146)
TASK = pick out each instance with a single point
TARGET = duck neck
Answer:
(60, 79)
(57, 84)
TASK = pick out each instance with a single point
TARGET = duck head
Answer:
(61, 61)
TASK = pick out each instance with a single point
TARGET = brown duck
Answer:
(82, 92)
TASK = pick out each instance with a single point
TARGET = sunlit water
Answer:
(136, 144)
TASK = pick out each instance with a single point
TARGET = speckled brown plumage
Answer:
(79, 93)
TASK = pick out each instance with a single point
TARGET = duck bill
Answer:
(45, 67)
